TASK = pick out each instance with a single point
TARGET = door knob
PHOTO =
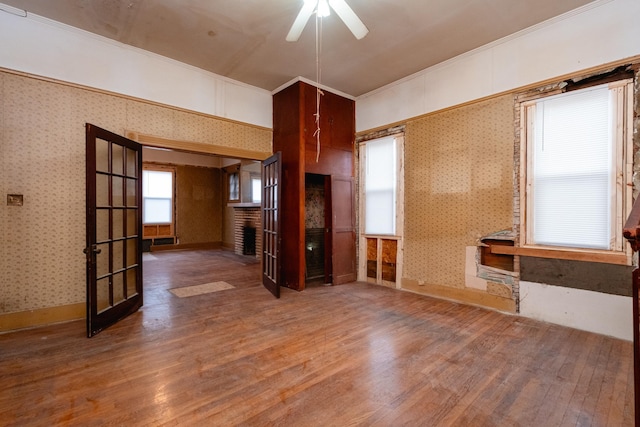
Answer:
(92, 248)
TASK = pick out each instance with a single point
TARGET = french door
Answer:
(114, 223)
(271, 188)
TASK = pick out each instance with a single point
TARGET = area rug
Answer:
(189, 291)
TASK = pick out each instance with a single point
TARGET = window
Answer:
(256, 190)
(157, 194)
(380, 183)
(575, 168)
(381, 208)
(234, 186)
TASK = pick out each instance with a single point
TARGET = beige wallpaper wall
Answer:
(199, 205)
(42, 156)
(458, 187)
(228, 236)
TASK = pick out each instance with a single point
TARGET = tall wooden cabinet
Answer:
(293, 135)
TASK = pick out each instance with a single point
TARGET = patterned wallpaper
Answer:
(314, 206)
(458, 187)
(199, 204)
(42, 156)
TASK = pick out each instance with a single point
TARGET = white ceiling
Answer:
(245, 39)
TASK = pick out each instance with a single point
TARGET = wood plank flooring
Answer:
(355, 354)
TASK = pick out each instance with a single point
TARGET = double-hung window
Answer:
(381, 207)
(256, 190)
(576, 166)
(157, 193)
(380, 186)
(158, 188)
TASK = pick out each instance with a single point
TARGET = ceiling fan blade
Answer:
(349, 17)
(301, 21)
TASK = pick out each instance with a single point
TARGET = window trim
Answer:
(154, 230)
(230, 176)
(399, 191)
(256, 198)
(399, 234)
(622, 196)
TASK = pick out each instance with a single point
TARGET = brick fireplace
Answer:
(247, 217)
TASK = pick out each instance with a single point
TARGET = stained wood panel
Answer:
(287, 133)
(372, 258)
(503, 262)
(343, 227)
(389, 259)
(294, 126)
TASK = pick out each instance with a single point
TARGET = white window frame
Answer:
(256, 189)
(622, 120)
(157, 230)
(399, 214)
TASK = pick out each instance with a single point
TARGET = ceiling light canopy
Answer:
(323, 8)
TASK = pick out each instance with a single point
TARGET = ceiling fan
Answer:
(321, 7)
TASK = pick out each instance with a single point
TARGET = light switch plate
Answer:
(14, 199)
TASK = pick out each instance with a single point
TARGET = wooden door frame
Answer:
(196, 147)
(328, 228)
(150, 141)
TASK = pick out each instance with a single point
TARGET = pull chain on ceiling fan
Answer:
(322, 8)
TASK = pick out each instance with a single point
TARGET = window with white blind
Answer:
(256, 190)
(380, 184)
(575, 168)
(157, 195)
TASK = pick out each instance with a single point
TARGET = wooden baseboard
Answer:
(463, 295)
(42, 316)
(183, 246)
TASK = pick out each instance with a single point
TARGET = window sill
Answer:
(382, 236)
(243, 205)
(606, 257)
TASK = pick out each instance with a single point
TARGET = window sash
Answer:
(380, 186)
(157, 210)
(256, 190)
(157, 197)
(561, 198)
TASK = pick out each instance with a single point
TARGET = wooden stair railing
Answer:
(631, 232)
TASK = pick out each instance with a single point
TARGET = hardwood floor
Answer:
(354, 354)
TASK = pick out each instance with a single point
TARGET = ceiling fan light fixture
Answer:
(323, 9)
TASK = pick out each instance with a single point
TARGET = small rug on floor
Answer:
(189, 291)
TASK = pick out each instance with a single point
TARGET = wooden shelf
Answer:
(575, 255)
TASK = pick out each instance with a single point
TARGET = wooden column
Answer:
(294, 126)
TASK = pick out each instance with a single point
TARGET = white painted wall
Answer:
(586, 310)
(47, 48)
(599, 33)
